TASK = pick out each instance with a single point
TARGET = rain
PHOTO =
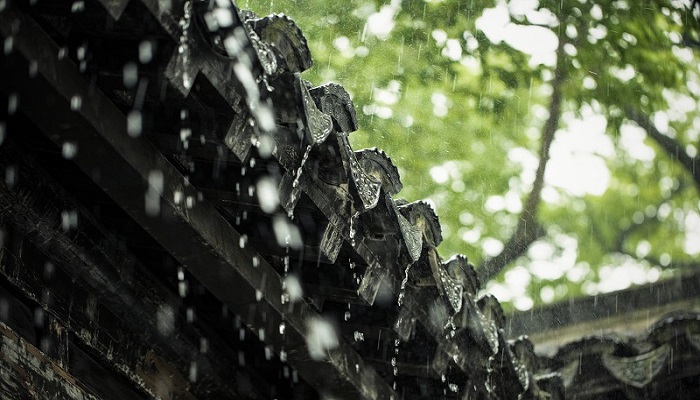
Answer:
(382, 200)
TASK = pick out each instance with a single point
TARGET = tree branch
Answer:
(672, 147)
(528, 229)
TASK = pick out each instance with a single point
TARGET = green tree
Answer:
(483, 124)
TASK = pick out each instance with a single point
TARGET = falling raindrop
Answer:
(283, 327)
(182, 288)
(134, 123)
(77, 6)
(69, 150)
(258, 295)
(145, 52)
(190, 315)
(2, 132)
(359, 336)
(193, 372)
(76, 102)
(69, 220)
(9, 45)
(11, 176)
(12, 103)
(283, 355)
(130, 74)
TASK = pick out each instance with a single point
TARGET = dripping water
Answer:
(295, 183)
(353, 229)
(403, 285)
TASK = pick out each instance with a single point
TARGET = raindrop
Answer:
(242, 241)
(81, 51)
(3, 131)
(182, 288)
(185, 134)
(165, 318)
(190, 315)
(268, 352)
(76, 102)
(193, 372)
(347, 315)
(359, 336)
(241, 334)
(69, 220)
(189, 202)
(353, 230)
(261, 334)
(258, 295)
(293, 288)
(12, 103)
(145, 52)
(241, 358)
(77, 6)
(256, 261)
(69, 150)
(134, 123)
(283, 327)
(11, 176)
(130, 74)
(155, 189)
(62, 53)
(267, 194)
(320, 338)
(9, 45)
(283, 356)
(203, 345)
(177, 197)
(39, 317)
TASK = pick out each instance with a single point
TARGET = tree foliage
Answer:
(494, 131)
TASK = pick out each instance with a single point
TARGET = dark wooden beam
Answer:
(195, 233)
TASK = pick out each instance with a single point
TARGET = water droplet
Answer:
(193, 372)
(145, 52)
(69, 150)
(182, 288)
(9, 45)
(134, 123)
(283, 356)
(77, 6)
(283, 327)
(12, 103)
(359, 336)
(258, 295)
(130, 74)
(347, 315)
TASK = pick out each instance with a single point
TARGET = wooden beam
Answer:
(195, 234)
